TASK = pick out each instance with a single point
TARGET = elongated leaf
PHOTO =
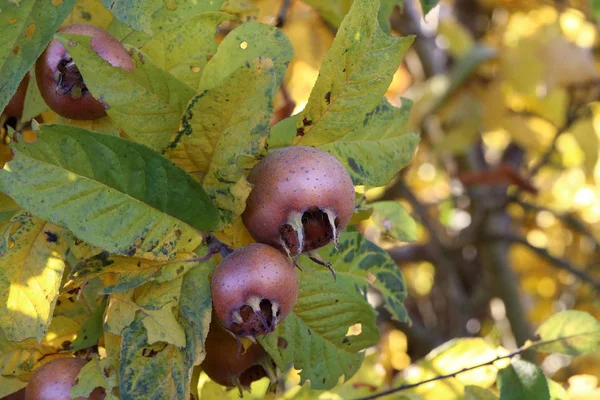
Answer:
(394, 220)
(356, 259)
(569, 332)
(34, 104)
(150, 372)
(96, 373)
(137, 14)
(355, 74)
(522, 380)
(17, 358)
(26, 31)
(244, 44)
(146, 103)
(378, 148)
(91, 330)
(195, 310)
(110, 192)
(183, 49)
(163, 18)
(314, 337)
(223, 127)
(32, 261)
(131, 272)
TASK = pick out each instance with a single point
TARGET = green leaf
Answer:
(394, 220)
(137, 14)
(34, 104)
(355, 74)
(150, 371)
(110, 192)
(282, 133)
(569, 332)
(224, 126)
(522, 380)
(163, 18)
(32, 254)
(96, 373)
(26, 31)
(332, 11)
(479, 393)
(427, 5)
(195, 310)
(120, 313)
(314, 337)
(146, 103)
(244, 44)
(596, 8)
(378, 148)
(8, 207)
(91, 329)
(183, 49)
(359, 261)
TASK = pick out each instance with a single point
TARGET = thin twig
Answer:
(515, 353)
(282, 14)
(557, 262)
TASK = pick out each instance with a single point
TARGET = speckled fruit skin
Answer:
(225, 366)
(53, 381)
(292, 181)
(14, 108)
(48, 77)
(259, 284)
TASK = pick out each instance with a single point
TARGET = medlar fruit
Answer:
(302, 198)
(53, 381)
(253, 289)
(60, 81)
(14, 108)
(229, 365)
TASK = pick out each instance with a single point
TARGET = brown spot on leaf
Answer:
(16, 50)
(141, 58)
(300, 132)
(30, 30)
(51, 237)
(328, 98)
(306, 122)
(282, 343)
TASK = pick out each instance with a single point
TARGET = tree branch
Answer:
(557, 262)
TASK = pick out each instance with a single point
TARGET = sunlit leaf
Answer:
(479, 393)
(110, 192)
(32, 260)
(314, 337)
(9, 384)
(26, 31)
(137, 14)
(183, 49)
(223, 127)
(557, 392)
(120, 312)
(90, 12)
(8, 207)
(146, 103)
(522, 380)
(162, 18)
(355, 74)
(394, 220)
(569, 332)
(246, 43)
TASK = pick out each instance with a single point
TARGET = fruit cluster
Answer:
(302, 198)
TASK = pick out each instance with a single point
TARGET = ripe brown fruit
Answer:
(229, 365)
(302, 198)
(253, 289)
(53, 381)
(60, 81)
(14, 108)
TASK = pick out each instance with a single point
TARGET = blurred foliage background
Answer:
(505, 184)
